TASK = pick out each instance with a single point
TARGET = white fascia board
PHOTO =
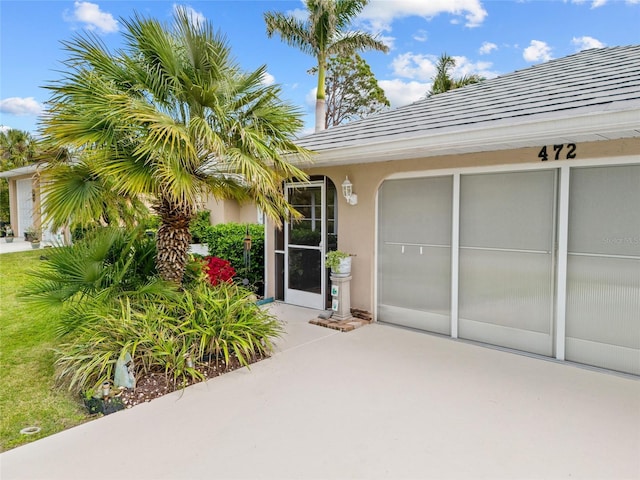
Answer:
(17, 172)
(588, 127)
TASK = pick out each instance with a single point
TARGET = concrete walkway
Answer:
(18, 245)
(378, 402)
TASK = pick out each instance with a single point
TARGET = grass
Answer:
(27, 393)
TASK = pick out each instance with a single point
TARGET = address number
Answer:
(559, 152)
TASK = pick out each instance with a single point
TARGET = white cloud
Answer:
(414, 66)
(20, 106)
(537, 51)
(380, 14)
(4, 128)
(268, 79)
(93, 18)
(388, 40)
(420, 36)
(196, 17)
(597, 3)
(583, 43)
(487, 47)
(402, 93)
(423, 67)
(310, 98)
(301, 14)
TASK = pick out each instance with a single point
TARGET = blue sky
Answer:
(488, 37)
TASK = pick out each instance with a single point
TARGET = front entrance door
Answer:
(24, 196)
(305, 273)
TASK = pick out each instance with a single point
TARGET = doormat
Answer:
(360, 318)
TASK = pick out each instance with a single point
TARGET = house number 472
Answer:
(569, 153)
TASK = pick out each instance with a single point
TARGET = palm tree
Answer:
(17, 149)
(172, 117)
(322, 34)
(443, 81)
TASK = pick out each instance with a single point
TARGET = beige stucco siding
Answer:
(225, 211)
(357, 224)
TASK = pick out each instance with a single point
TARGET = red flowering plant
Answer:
(218, 270)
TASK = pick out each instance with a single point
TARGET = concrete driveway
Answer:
(378, 402)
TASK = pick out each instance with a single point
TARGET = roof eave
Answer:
(585, 128)
(20, 171)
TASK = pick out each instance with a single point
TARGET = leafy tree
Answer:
(443, 81)
(322, 34)
(17, 149)
(80, 196)
(172, 117)
(352, 91)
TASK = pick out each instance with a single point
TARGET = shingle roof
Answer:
(586, 83)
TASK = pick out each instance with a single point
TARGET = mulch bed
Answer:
(153, 385)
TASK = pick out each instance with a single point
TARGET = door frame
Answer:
(298, 297)
(24, 194)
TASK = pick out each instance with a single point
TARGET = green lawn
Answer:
(27, 394)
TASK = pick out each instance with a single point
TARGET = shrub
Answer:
(205, 323)
(199, 226)
(218, 270)
(81, 283)
(226, 241)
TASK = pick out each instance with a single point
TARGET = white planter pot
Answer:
(343, 269)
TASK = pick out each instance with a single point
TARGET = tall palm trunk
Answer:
(321, 94)
(174, 238)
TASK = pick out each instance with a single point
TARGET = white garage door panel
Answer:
(421, 320)
(506, 259)
(414, 253)
(603, 268)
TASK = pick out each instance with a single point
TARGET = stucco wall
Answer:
(225, 211)
(356, 224)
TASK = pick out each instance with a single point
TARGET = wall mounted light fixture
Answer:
(347, 192)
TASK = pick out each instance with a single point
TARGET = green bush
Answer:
(226, 241)
(82, 282)
(199, 226)
(204, 323)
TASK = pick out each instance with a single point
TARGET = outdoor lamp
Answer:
(347, 191)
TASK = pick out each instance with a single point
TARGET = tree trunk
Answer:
(321, 116)
(320, 95)
(173, 240)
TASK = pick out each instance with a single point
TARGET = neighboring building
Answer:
(505, 212)
(24, 199)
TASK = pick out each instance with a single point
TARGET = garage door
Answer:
(414, 253)
(505, 271)
(506, 259)
(603, 268)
